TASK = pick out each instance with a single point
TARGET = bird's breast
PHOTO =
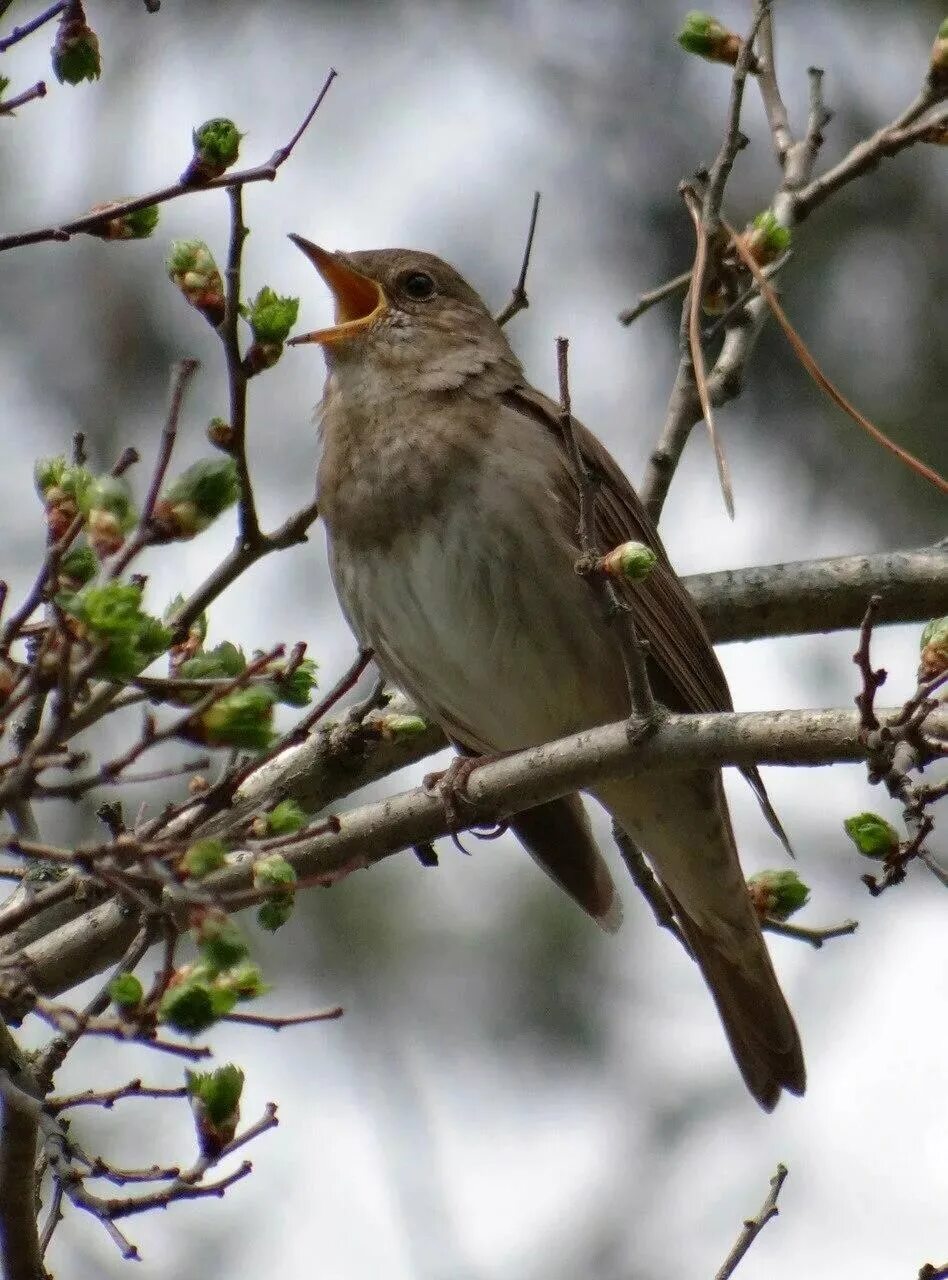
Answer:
(474, 609)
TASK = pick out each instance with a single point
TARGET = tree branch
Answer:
(265, 172)
(21, 1254)
(753, 1226)
(498, 790)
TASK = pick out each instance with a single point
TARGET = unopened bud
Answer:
(631, 560)
(392, 726)
(195, 500)
(220, 941)
(126, 991)
(274, 872)
(107, 506)
(765, 239)
(242, 719)
(192, 268)
(705, 36)
(216, 147)
(933, 648)
(220, 434)
(191, 1007)
(75, 52)
(137, 225)
(777, 895)
(283, 820)
(202, 858)
(872, 835)
(77, 567)
(215, 1104)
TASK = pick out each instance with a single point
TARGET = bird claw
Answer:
(451, 785)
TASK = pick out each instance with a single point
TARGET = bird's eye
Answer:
(417, 285)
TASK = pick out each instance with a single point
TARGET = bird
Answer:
(451, 508)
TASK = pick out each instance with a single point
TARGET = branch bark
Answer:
(21, 1255)
(86, 946)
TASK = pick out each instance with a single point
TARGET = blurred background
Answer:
(511, 1095)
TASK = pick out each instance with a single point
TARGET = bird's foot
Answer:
(451, 784)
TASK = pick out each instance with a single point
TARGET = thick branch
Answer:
(496, 791)
(808, 596)
(21, 1254)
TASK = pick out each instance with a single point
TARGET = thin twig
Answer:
(34, 24)
(518, 298)
(753, 1226)
(277, 1023)
(815, 937)
(658, 294)
(9, 105)
(695, 294)
(181, 374)
(265, 172)
(648, 885)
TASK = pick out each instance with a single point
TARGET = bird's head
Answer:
(407, 314)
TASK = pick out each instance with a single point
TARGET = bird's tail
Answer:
(684, 828)
(757, 1020)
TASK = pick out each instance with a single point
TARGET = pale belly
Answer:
(487, 628)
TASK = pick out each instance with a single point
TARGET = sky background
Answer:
(511, 1094)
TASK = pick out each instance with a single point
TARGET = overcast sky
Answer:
(432, 1134)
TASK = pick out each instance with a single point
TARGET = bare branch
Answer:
(518, 298)
(753, 1226)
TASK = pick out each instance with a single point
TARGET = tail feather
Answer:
(684, 828)
(558, 837)
(757, 1020)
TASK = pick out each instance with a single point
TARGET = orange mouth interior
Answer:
(359, 300)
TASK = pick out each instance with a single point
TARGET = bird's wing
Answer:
(688, 674)
(683, 667)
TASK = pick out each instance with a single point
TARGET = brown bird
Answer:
(452, 510)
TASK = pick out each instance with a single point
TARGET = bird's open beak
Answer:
(359, 300)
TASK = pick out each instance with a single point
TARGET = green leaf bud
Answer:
(197, 497)
(126, 991)
(296, 689)
(137, 225)
(284, 819)
(203, 857)
(271, 316)
(393, 726)
(223, 662)
(630, 560)
(872, 835)
(78, 566)
(189, 1007)
(273, 872)
(933, 648)
(216, 148)
(215, 1104)
(274, 913)
(705, 36)
(192, 268)
(111, 615)
(777, 895)
(242, 719)
(766, 239)
(242, 982)
(220, 942)
(75, 52)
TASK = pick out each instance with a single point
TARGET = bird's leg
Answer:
(451, 783)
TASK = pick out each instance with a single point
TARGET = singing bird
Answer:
(451, 510)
